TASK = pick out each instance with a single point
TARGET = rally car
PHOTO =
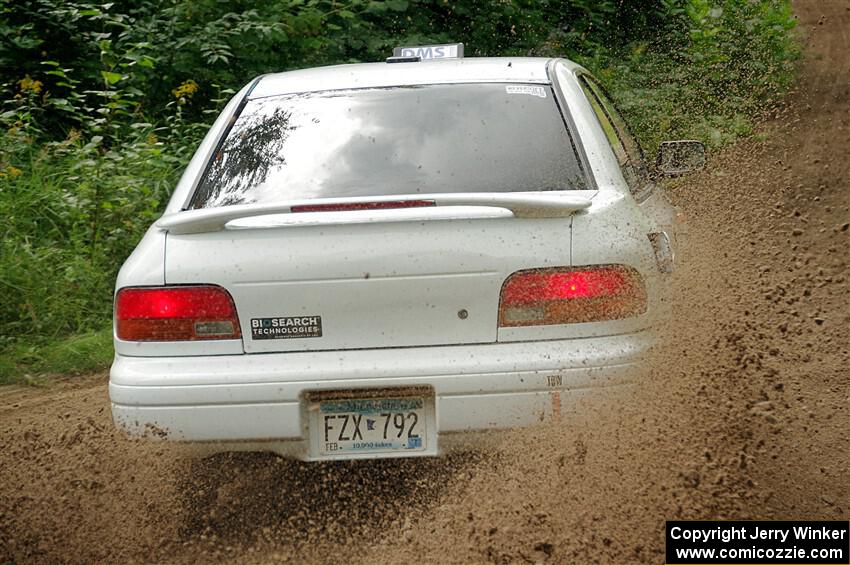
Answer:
(384, 259)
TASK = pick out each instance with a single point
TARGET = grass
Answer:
(34, 363)
(72, 213)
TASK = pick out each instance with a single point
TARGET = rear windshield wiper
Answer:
(522, 204)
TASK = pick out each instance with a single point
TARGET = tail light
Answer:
(175, 313)
(570, 295)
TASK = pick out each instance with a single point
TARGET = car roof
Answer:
(378, 75)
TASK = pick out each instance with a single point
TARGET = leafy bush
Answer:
(101, 68)
(123, 57)
(104, 102)
(72, 211)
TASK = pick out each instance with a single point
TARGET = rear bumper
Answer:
(256, 401)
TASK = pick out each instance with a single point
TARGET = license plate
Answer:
(363, 424)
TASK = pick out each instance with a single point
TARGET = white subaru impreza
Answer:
(375, 260)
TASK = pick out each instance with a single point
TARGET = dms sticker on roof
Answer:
(525, 89)
(288, 327)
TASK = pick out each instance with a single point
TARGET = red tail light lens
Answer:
(570, 295)
(175, 313)
(346, 207)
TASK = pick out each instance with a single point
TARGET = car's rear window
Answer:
(393, 141)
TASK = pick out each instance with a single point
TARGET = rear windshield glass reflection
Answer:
(405, 140)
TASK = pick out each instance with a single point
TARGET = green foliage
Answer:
(121, 58)
(72, 211)
(707, 78)
(82, 353)
(102, 67)
(103, 103)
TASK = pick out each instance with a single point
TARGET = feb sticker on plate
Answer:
(538, 91)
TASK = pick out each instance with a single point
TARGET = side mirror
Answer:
(680, 157)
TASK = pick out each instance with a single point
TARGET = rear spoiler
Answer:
(523, 205)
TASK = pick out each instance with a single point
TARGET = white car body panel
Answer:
(380, 75)
(257, 398)
(407, 297)
(407, 291)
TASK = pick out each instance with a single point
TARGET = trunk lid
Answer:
(367, 285)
